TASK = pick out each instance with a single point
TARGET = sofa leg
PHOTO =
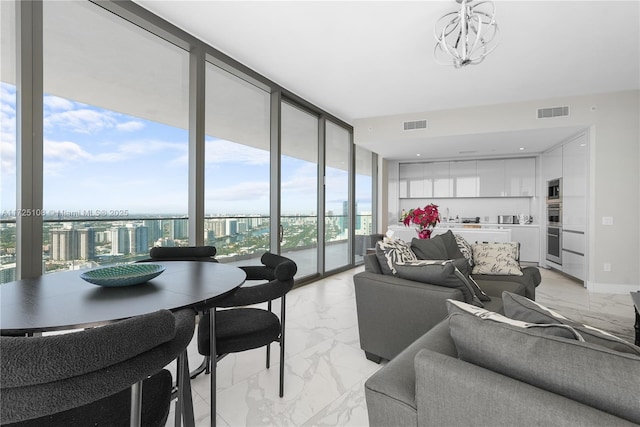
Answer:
(373, 357)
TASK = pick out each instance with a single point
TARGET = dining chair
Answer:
(186, 253)
(110, 375)
(239, 328)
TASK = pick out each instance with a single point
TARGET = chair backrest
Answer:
(277, 271)
(50, 374)
(183, 253)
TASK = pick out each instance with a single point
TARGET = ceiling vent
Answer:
(415, 125)
(546, 113)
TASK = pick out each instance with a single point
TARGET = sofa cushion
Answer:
(556, 330)
(390, 252)
(496, 258)
(442, 273)
(593, 375)
(522, 308)
(429, 248)
(451, 245)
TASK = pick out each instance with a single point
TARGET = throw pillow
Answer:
(449, 240)
(522, 308)
(390, 252)
(593, 375)
(465, 248)
(429, 248)
(442, 273)
(496, 258)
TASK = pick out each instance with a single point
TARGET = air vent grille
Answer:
(415, 125)
(546, 113)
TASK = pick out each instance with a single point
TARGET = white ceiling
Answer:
(359, 59)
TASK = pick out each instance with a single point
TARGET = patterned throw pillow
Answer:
(390, 252)
(465, 248)
(496, 258)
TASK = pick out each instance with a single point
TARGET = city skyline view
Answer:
(102, 161)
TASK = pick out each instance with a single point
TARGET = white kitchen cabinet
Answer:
(573, 264)
(552, 164)
(438, 174)
(464, 178)
(574, 184)
(491, 178)
(520, 177)
(412, 181)
(529, 239)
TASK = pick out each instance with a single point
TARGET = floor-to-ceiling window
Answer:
(363, 199)
(299, 188)
(7, 142)
(121, 118)
(237, 166)
(337, 219)
(115, 138)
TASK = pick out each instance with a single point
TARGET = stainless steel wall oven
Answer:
(554, 221)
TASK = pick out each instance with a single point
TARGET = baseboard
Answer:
(612, 288)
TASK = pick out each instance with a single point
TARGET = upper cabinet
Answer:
(438, 175)
(469, 178)
(412, 181)
(464, 178)
(574, 184)
(552, 164)
(520, 177)
(491, 178)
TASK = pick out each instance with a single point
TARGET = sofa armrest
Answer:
(394, 312)
(452, 392)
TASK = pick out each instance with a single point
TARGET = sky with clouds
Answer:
(95, 159)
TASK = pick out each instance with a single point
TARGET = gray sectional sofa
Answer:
(528, 379)
(394, 312)
(452, 363)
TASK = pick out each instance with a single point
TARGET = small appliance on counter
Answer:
(474, 220)
(507, 219)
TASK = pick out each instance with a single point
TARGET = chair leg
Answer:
(268, 345)
(282, 320)
(204, 367)
(136, 405)
(184, 404)
(214, 363)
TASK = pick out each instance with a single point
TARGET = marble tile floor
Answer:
(325, 367)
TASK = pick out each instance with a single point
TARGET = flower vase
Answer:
(424, 233)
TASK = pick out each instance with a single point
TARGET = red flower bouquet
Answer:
(425, 218)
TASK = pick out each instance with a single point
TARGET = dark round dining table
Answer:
(63, 300)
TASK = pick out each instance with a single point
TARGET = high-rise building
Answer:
(119, 241)
(140, 241)
(155, 229)
(180, 229)
(86, 243)
(68, 244)
(62, 247)
(231, 227)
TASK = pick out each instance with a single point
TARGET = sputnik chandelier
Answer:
(466, 36)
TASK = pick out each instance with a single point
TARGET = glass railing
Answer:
(88, 242)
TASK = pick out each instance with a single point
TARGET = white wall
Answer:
(614, 187)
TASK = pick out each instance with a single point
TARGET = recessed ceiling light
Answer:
(418, 155)
(522, 148)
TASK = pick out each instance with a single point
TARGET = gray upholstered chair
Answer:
(93, 377)
(241, 328)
